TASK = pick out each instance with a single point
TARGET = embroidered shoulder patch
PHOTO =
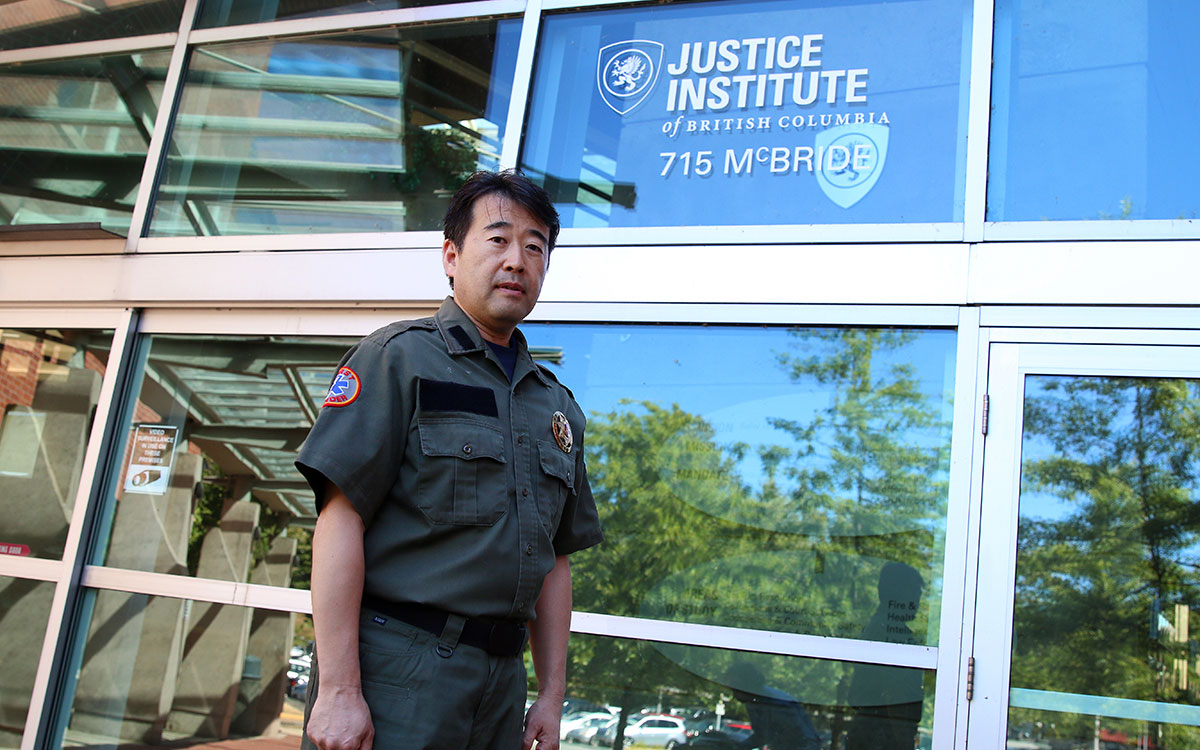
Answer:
(344, 389)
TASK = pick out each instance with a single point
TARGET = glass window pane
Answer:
(205, 484)
(154, 670)
(780, 479)
(719, 699)
(49, 388)
(1107, 554)
(230, 12)
(363, 133)
(797, 112)
(35, 23)
(24, 613)
(1091, 105)
(74, 136)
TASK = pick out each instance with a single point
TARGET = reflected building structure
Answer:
(889, 360)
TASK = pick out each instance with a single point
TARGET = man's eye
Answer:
(535, 249)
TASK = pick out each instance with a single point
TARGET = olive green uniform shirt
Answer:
(466, 492)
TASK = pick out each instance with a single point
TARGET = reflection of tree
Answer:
(1106, 577)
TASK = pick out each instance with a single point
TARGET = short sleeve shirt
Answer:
(469, 485)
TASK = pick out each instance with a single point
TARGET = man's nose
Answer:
(514, 259)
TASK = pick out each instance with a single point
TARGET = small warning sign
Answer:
(20, 550)
(150, 460)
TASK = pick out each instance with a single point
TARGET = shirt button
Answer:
(524, 492)
(520, 439)
(528, 549)
(467, 449)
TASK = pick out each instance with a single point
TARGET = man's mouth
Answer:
(511, 286)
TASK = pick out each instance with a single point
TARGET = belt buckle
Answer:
(505, 639)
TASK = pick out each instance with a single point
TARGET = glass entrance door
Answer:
(1090, 550)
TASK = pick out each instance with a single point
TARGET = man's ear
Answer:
(449, 258)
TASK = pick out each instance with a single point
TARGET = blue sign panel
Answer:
(752, 113)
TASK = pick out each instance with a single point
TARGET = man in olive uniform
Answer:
(450, 483)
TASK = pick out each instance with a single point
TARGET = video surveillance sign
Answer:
(153, 452)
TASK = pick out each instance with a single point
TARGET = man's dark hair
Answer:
(511, 184)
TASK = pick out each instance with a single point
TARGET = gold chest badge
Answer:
(562, 431)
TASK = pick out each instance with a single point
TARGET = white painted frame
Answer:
(1086, 352)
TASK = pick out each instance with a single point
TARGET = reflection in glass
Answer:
(74, 136)
(777, 113)
(206, 484)
(1108, 548)
(24, 613)
(1089, 101)
(49, 387)
(34, 23)
(155, 670)
(766, 478)
(363, 133)
(657, 693)
(230, 12)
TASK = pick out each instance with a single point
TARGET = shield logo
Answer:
(851, 160)
(626, 72)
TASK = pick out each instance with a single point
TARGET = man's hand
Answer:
(541, 724)
(340, 719)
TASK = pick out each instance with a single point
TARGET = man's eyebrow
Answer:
(501, 224)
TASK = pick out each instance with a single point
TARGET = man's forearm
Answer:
(337, 582)
(549, 633)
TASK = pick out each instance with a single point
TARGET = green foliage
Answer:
(1106, 572)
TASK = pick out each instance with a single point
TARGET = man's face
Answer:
(499, 269)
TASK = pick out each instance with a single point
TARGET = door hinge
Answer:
(984, 420)
(970, 677)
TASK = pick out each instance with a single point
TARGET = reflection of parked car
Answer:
(657, 730)
(728, 737)
(299, 665)
(582, 720)
(589, 732)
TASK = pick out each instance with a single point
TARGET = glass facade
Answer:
(771, 478)
(802, 240)
(1108, 548)
(49, 388)
(1089, 98)
(34, 23)
(74, 135)
(767, 113)
(370, 132)
(24, 613)
(708, 697)
(157, 670)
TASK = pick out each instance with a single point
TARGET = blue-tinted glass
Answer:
(797, 112)
(769, 478)
(1094, 110)
(231, 12)
(363, 132)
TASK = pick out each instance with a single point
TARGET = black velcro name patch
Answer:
(438, 395)
(463, 338)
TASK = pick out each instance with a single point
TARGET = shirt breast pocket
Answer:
(554, 482)
(462, 479)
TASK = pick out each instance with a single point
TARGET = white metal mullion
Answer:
(31, 567)
(159, 137)
(1111, 229)
(73, 551)
(978, 121)
(357, 21)
(514, 127)
(956, 582)
(760, 641)
(991, 646)
(89, 49)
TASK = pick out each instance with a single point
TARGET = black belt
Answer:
(497, 637)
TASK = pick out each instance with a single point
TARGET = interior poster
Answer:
(752, 113)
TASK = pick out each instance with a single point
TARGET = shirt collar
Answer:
(462, 337)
